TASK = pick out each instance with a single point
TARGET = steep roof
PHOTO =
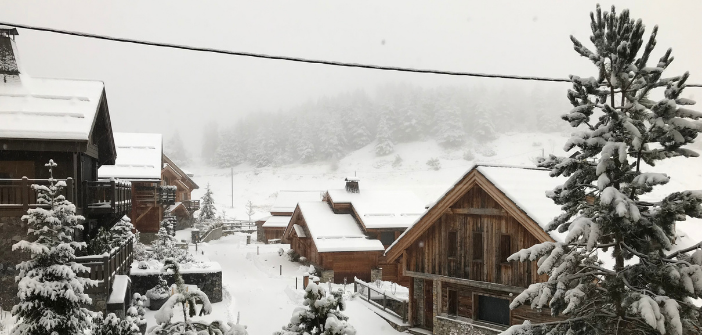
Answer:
(520, 190)
(167, 162)
(382, 208)
(138, 157)
(277, 222)
(287, 200)
(332, 232)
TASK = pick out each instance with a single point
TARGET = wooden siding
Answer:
(273, 233)
(429, 254)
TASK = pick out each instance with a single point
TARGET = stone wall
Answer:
(376, 274)
(13, 230)
(214, 234)
(208, 282)
(418, 309)
(444, 325)
(260, 235)
(147, 238)
(327, 276)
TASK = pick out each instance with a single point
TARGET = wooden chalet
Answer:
(274, 226)
(140, 160)
(184, 206)
(456, 253)
(67, 121)
(357, 223)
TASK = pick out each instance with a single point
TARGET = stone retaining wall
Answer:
(208, 282)
(444, 325)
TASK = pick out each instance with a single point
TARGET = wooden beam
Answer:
(466, 282)
(477, 211)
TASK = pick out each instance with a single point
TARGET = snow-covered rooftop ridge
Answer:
(352, 179)
(43, 108)
(139, 156)
(382, 208)
(277, 222)
(287, 200)
(335, 232)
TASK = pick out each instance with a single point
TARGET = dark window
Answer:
(477, 246)
(387, 237)
(493, 310)
(452, 302)
(505, 247)
(452, 244)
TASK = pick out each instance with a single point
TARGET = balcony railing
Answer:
(107, 197)
(167, 195)
(93, 197)
(191, 205)
(104, 268)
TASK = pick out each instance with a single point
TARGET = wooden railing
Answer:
(104, 268)
(17, 195)
(166, 195)
(107, 196)
(191, 205)
(374, 296)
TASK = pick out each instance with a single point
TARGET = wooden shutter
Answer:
(477, 246)
(505, 247)
(452, 244)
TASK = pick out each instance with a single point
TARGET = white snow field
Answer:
(254, 289)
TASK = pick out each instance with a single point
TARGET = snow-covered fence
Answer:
(375, 296)
(104, 268)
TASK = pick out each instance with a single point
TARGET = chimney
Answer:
(352, 185)
(9, 66)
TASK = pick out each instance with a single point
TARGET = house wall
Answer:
(273, 233)
(146, 212)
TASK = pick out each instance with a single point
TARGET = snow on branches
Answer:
(614, 272)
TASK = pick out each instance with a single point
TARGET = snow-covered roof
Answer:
(277, 222)
(42, 108)
(335, 232)
(138, 157)
(382, 208)
(527, 188)
(299, 230)
(287, 200)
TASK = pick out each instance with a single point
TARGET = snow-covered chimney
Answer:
(352, 185)
(9, 66)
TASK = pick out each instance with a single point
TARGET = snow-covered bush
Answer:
(51, 294)
(434, 164)
(164, 247)
(321, 314)
(100, 243)
(160, 291)
(121, 232)
(105, 240)
(113, 325)
(609, 213)
(303, 260)
(293, 256)
(281, 252)
(143, 265)
(136, 309)
(397, 162)
(468, 155)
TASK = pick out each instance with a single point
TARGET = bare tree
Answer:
(250, 209)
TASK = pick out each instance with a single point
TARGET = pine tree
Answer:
(384, 137)
(450, 132)
(207, 209)
(175, 150)
(210, 142)
(483, 129)
(320, 316)
(645, 288)
(51, 293)
(122, 231)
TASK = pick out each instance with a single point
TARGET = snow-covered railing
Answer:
(375, 296)
(105, 267)
(107, 196)
(167, 195)
(17, 196)
(191, 205)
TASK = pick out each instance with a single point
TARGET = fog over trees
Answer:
(331, 127)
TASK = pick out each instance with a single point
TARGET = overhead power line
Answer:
(293, 59)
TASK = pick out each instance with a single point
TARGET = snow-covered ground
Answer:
(254, 289)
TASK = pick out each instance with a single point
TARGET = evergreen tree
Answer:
(647, 288)
(320, 316)
(210, 142)
(483, 129)
(384, 137)
(51, 293)
(175, 150)
(332, 138)
(122, 231)
(450, 132)
(207, 206)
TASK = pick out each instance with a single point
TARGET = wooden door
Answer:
(429, 304)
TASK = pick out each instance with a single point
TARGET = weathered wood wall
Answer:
(273, 233)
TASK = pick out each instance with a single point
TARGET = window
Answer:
(493, 310)
(452, 244)
(477, 246)
(387, 237)
(452, 302)
(505, 247)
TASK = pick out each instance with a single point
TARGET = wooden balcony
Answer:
(167, 195)
(104, 268)
(92, 197)
(191, 205)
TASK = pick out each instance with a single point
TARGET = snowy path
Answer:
(264, 298)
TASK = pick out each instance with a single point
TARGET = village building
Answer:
(271, 229)
(456, 253)
(67, 121)
(359, 224)
(140, 160)
(184, 207)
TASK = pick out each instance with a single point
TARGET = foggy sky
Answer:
(158, 90)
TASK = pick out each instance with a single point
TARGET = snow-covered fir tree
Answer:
(483, 128)
(122, 231)
(358, 134)
(51, 293)
(320, 316)
(207, 206)
(384, 146)
(450, 128)
(617, 271)
(210, 142)
(175, 150)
